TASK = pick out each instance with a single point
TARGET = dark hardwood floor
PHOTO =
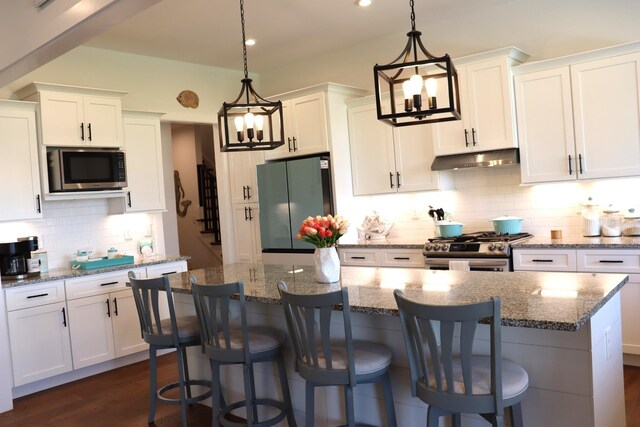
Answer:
(119, 398)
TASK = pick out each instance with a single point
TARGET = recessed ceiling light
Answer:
(250, 42)
(363, 3)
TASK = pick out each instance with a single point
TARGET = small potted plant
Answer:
(323, 232)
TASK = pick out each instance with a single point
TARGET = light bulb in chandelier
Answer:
(416, 88)
(408, 95)
(259, 122)
(239, 122)
(248, 120)
(431, 85)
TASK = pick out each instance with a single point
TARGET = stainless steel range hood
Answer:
(484, 159)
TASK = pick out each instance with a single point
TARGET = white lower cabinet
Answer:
(246, 221)
(165, 269)
(38, 332)
(595, 261)
(98, 315)
(363, 257)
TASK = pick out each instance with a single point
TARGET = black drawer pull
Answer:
(169, 272)
(357, 257)
(64, 318)
(541, 260)
(611, 261)
(37, 296)
(402, 258)
(108, 283)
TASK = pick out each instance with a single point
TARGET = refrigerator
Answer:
(290, 191)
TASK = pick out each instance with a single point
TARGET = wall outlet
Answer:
(607, 342)
(127, 235)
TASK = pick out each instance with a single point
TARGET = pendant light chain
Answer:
(244, 41)
(413, 16)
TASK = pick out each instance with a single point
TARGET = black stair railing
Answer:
(208, 199)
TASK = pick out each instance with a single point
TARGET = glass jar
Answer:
(631, 224)
(590, 219)
(611, 223)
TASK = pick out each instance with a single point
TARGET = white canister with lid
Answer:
(590, 219)
(631, 224)
(611, 222)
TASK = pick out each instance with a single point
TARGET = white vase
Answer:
(327, 265)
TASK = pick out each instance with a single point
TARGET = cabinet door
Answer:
(490, 105)
(309, 120)
(126, 325)
(545, 126)
(287, 149)
(19, 162)
(91, 330)
(144, 164)
(413, 156)
(61, 117)
(242, 175)
(246, 233)
(164, 269)
(40, 346)
(606, 102)
(453, 137)
(372, 159)
(103, 121)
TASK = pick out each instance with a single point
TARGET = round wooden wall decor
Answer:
(188, 99)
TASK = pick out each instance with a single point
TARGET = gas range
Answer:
(483, 244)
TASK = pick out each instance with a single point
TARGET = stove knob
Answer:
(500, 247)
(491, 247)
(436, 247)
(428, 247)
(445, 247)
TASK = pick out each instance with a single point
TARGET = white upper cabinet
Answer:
(580, 120)
(242, 175)
(19, 161)
(389, 160)
(486, 106)
(305, 127)
(77, 117)
(606, 102)
(145, 179)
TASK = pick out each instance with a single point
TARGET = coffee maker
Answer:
(14, 257)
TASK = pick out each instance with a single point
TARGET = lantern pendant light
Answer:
(250, 122)
(408, 77)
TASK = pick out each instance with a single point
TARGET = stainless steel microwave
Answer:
(72, 169)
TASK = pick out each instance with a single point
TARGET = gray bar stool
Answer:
(173, 332)
(323, 361)
(226, 342)
(452, 383)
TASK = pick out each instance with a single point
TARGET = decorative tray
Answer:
(103, 262)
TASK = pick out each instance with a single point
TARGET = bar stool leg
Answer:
(186, 371)
(286, 395)
(181, 384)
(216, 394)
(348, 403)
(153, 383)
(248, 394)
(388, 400)
(310, 404)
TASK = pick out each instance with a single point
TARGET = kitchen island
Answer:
(564, 329)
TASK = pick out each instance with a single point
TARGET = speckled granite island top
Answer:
(578, 242)
(555, 301)
(68, 273)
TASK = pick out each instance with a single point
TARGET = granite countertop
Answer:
(553, 301)
(68, 273)
(389, 243)
(579, 242)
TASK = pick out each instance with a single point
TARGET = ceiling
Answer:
(208, 31)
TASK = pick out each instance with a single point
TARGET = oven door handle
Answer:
(479, 263)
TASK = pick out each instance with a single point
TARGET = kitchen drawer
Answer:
(361, 257)
(609, 261)
(402, 258)
(34, 295)
(98, 284)
(164, 269)
(544, 260)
